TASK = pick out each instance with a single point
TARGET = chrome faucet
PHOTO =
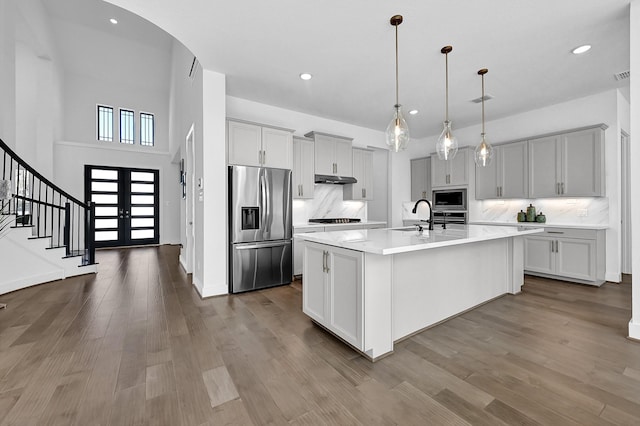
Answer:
(415, 209)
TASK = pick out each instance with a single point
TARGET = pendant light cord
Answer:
(397, 101)
(446, 96)
(482, 104)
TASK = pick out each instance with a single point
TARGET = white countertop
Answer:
(336, 225)
(543, 225)
(406, 239)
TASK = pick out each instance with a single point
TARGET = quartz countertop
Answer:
(543, 225)
(337, 225)
(406, 239)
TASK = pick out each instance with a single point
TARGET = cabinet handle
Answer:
(324, 261)
(501, 192)
(301, 190)
(557, 250)
(365, 193)
(362, 192)
(555, 232)
(558, 188)
(550, 242)
(424, 194)
(562, 187)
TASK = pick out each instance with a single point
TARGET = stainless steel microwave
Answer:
(450, 199)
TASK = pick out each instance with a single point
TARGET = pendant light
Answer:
(484, 150)
(397, 131)
(447, 145)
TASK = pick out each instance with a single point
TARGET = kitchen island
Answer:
(374, 287)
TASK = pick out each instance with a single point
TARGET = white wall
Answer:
(8, 15)
(100, 68)
(634, 324)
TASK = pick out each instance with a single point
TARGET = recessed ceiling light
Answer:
(113, 21)
(581, 49)
(413, 112)
(305, 76)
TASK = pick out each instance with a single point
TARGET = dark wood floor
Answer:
(135, 344)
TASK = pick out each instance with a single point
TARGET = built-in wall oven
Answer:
(450, 206)
(450, 199)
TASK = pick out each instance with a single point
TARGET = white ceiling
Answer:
(262, 47)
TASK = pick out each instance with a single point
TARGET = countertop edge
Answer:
(357, 246)
(541, 225)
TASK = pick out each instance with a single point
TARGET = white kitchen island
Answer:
(374, 287)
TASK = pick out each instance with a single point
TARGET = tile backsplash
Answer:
(592, 211)
(327, 202)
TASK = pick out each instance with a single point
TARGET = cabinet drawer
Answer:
(587, 234)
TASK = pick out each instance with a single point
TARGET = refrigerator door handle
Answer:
(261, 245)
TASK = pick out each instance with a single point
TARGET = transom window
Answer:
(105, 123)
(127, 118)
(126, 121)
(146, 129)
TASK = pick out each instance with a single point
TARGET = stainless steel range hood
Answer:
(338, 180)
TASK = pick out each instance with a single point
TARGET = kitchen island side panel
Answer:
(430, 286)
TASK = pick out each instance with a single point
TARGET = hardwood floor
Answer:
(135, 344)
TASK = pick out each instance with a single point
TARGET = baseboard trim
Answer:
(634, 330)
(25, 282)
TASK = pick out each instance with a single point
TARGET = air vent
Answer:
(194, 68)
(478, 100)
(622, 75)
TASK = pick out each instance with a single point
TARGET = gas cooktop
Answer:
(335, 220)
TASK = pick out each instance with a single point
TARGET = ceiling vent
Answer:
(194, 68)
(485, 97)
(622, 75)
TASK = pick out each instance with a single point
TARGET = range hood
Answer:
(339, 180)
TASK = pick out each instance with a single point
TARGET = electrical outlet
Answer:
(583, 212)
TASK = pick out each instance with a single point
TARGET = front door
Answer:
(126, 202)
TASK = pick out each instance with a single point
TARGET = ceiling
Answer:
(348, 46)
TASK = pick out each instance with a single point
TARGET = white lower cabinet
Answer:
(333, 290)
(568, 254)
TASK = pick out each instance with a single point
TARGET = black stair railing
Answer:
(49, 211)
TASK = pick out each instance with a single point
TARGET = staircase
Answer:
(50, 236)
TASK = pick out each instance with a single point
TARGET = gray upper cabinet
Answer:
(303, 172)
(567, 165)
(253, 144)
(506, 176)
(450, 173)
(421, 178)
(333, 154)
(363, 172)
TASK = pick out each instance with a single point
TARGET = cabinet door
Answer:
(439, 171)
(459, 169)
(576, 258)
(513, 173)
(298, 248)
(421, 178)
(345, 295)
(544, 173)
(277, 148)
(297, 172)
(582, 164)
(245, 143)
(307, 178)
(487, 178)
(324, 152)
(356, 191)
(539, 255)
(303, 179)
(314, 287)
(367, 173)
(343, 157)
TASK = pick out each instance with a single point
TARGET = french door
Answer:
(126, 203)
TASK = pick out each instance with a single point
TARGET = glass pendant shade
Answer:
(447, 145)
(397, 131)
(483, 153)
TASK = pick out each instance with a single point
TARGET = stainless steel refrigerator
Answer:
(260, 228)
